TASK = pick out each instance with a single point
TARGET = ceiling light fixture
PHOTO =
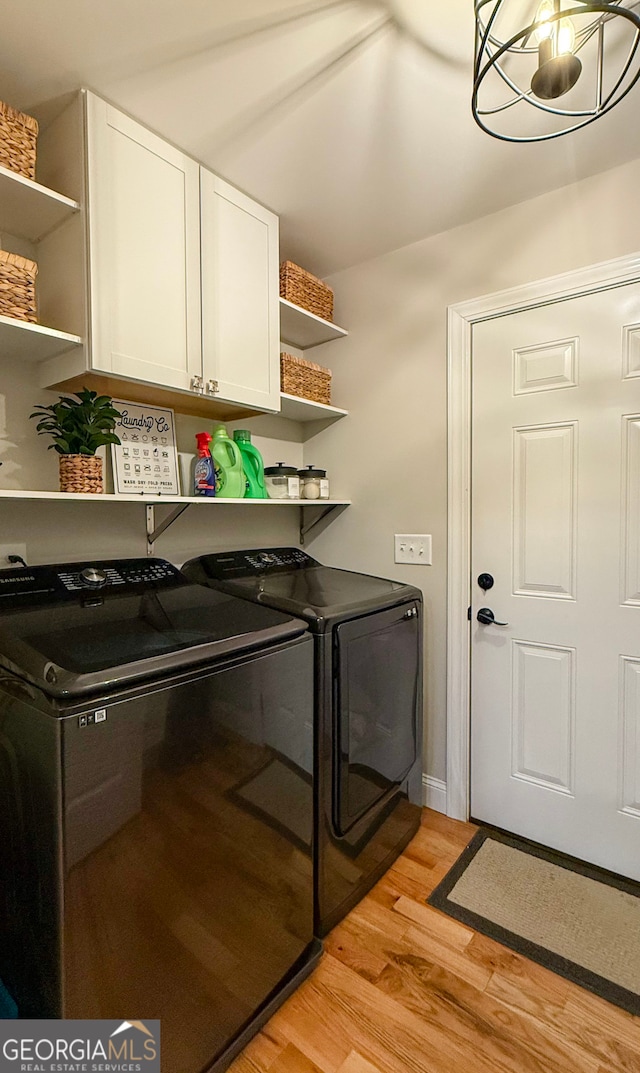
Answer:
(529, 54)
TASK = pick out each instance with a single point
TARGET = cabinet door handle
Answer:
(196, 384)
(212, 387)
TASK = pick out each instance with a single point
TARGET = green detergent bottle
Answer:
(252, 464)
(230, 479)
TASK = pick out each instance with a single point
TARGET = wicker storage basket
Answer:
(303, 289)
(17, 287)
(80, 473)
(305, 379)
(18, 134)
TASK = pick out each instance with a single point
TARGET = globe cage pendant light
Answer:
(529, 54)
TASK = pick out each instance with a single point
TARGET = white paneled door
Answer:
(555, 693)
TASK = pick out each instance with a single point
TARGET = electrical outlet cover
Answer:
(11, 549)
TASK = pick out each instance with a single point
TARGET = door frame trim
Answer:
(460, 321)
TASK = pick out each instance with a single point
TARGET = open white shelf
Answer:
(303, 330)
(30, 210)
(155, 527)
(33, 342)
(304, 410)
(108, 497)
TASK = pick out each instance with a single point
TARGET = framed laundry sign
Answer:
(145, 460)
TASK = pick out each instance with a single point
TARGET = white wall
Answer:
(389, 455)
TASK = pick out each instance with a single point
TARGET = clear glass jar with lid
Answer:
(313, 483)
(282, 481)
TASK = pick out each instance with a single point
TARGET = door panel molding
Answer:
(629, 766)
(545, 367)
(630, 351)
(543, 691)
(544, 499)
(460, 321)
(630, 557)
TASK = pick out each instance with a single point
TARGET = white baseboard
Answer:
(434, 793)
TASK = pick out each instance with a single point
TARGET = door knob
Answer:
(487, 618)
(485, 581)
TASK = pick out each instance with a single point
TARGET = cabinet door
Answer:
(240, 303)
(144, 252)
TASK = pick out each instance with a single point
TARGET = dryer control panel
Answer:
(256, 562)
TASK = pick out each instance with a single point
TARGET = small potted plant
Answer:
(78, 427)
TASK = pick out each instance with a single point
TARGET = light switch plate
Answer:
(413, 548)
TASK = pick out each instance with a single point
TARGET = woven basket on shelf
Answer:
(17, 287)
(305, 379)
(80, 473)
(303, 289)
(18, 134)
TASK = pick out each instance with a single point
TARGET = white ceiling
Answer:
(349, 118)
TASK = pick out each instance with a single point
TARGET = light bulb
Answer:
(558, 68)
(566, 37)
(543, 14)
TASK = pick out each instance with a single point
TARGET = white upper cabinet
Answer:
(240, 296)
(144, 250)
(182, 284)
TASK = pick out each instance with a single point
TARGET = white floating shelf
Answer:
(303, 330)
(33, 342)
(30, 210)
(304, 410)
(107, 497)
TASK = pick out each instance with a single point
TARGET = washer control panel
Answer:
(125, 573)
(44, 584)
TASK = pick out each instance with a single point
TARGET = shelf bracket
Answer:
(153, 530)
(324, 513)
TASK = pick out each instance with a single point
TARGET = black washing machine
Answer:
(368, 682)
(156, 804)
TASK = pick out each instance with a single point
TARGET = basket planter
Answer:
(304, 290)
(17, 287)
(81, 473)
(305, 379)
(18, 134)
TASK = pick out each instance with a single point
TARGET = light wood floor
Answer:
(404, 989)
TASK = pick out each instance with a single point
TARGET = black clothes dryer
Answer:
(368, 680)
(156, 804)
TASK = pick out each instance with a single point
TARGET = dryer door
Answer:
(377, 678)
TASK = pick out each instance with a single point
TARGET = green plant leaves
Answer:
(80, 425)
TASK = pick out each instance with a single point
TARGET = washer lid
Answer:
(72, 641)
